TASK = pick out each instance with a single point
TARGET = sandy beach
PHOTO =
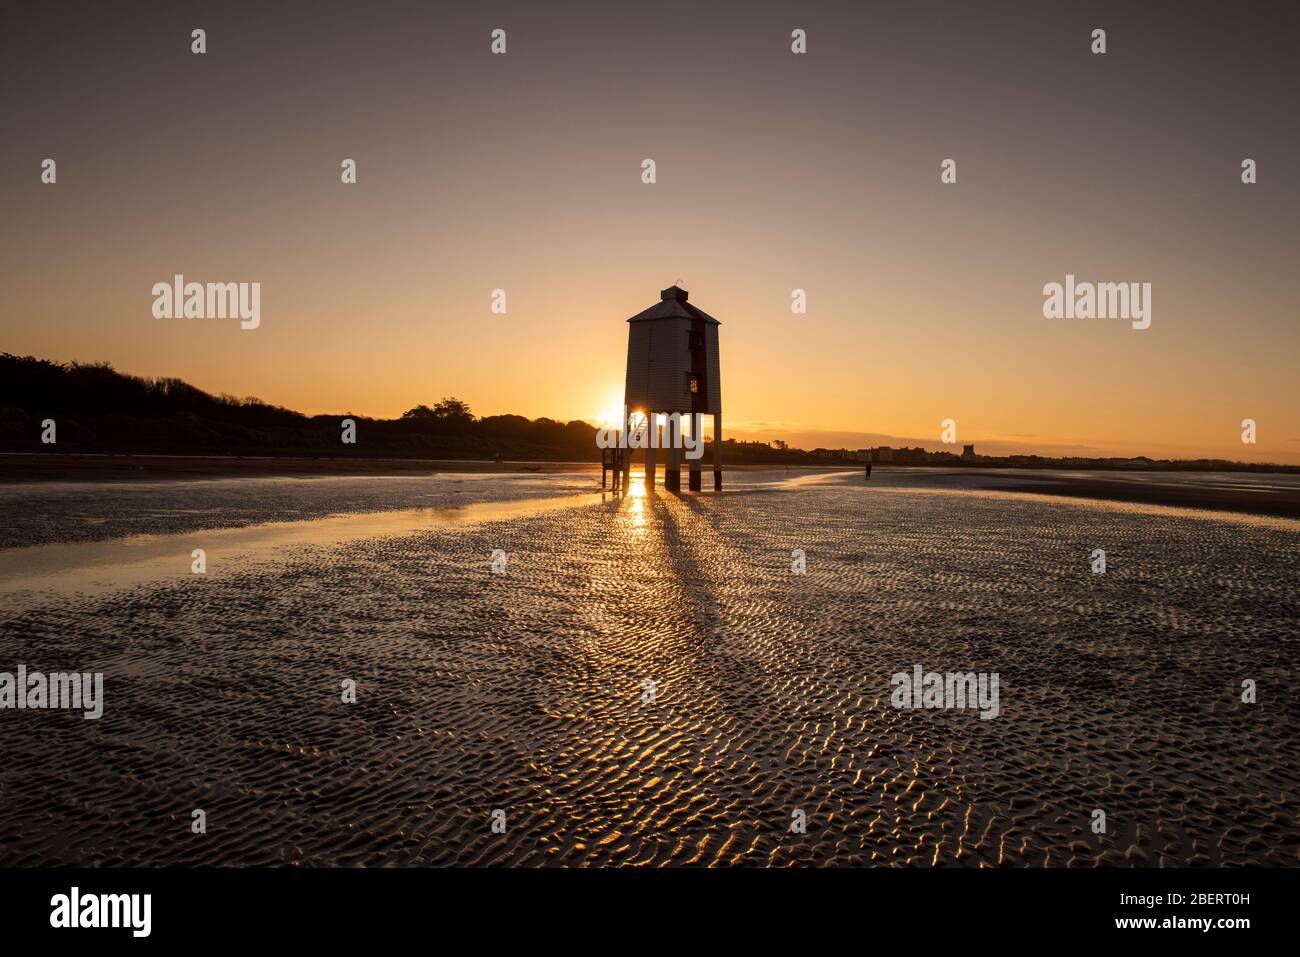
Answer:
(1249, 492)
(525, 692)
(22, 467)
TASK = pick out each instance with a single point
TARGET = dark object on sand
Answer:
(867, 475)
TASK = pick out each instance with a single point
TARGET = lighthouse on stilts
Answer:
(672, 367)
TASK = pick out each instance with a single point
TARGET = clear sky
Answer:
(775, 171)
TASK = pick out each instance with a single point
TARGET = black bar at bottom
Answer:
(301, 906)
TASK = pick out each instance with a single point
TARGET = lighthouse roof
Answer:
(672, 304)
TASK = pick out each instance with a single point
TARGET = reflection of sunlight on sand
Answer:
(636, 496)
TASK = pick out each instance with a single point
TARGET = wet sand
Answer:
(1253, 493)
(89, 467)
(524, 692)
(66, 512)
(1250, 493)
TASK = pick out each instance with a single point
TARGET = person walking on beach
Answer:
(868, 475)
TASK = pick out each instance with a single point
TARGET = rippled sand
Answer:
(523, 692)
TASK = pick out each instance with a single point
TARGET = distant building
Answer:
(904, 456)
(968, 452)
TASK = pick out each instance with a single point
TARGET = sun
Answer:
(611, 415)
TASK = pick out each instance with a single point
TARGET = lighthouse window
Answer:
(697, 341)
(693, 381)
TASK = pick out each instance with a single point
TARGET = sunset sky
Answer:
(775, 171)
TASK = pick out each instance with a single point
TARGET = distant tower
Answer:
(968, 452)
(672, 366)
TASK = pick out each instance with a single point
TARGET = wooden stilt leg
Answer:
(717, 452)
(651, 437)
(673, 474)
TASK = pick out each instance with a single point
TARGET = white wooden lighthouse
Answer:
(672, 367)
